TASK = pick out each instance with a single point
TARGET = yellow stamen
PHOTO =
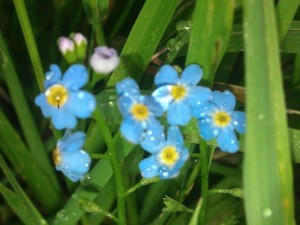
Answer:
(56, 156)
(57, 95)
(140, 112)
(221, 119)
(169, 156)
(178, 92)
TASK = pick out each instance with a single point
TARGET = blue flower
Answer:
(177, 95)
(138, 111)
(218, 120)
(63, 100)
(69, 158)
(167, 158)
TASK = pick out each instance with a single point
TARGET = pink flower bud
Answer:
(79, 39)
(65, 45)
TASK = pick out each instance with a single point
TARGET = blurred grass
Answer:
(266, 114)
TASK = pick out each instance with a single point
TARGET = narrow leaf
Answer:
(268, 200)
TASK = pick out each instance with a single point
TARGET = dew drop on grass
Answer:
(267, 212)
(61, 216)
(111, 103)
(75, 196)
(260, 116)
(42, 222)
(86, 180)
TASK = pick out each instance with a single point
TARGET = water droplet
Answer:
(111, 103)
(61, 216)
(171, 44)
(183, 25)
(86, 180)
(75, 196)
(42, 222)
(163, 171)
(267, 212)
(260, 116)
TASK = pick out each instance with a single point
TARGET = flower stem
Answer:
(115, 166)
(142, 183)
(204, 151)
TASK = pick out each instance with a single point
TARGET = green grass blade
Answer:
(25, 117)
(285, 12)
(268, 200)
(143, 39)
(19, 201)
(15, 150)
(211, 29)
(30, 42)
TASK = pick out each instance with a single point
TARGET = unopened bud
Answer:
(67, 48)
(79, 39)
(65, 45)
(104, 60)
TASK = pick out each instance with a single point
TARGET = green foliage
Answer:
(252, 47)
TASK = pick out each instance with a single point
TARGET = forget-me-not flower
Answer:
(177, 95)
(69, 158)
(167, 158)
(63, 100)
(217, 119)
(138, 111)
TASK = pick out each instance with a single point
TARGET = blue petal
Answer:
(74, 164)
(198, 95)
(131, 130)
(149, 167)
(207, 130)
(81, 104)
(41, 101)
(166, 75)
(224, 100)
(239, 121)
(179, 113)
(75, 77)
(128, 87)
(53, 76)
(203, 110)
(153, 106)
(125, 104)
(163, 96)
(71, 142)
(62, 119)
(175, 136)
(191, 75)
(154, 137)
(227, 140)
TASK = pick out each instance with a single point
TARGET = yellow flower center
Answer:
(56, 156)
(178, 92)
(140, 112)
(57, 95)
(221, 119)
(169, 156)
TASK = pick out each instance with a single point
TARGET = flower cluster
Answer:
(180, 98)
(64, 100)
